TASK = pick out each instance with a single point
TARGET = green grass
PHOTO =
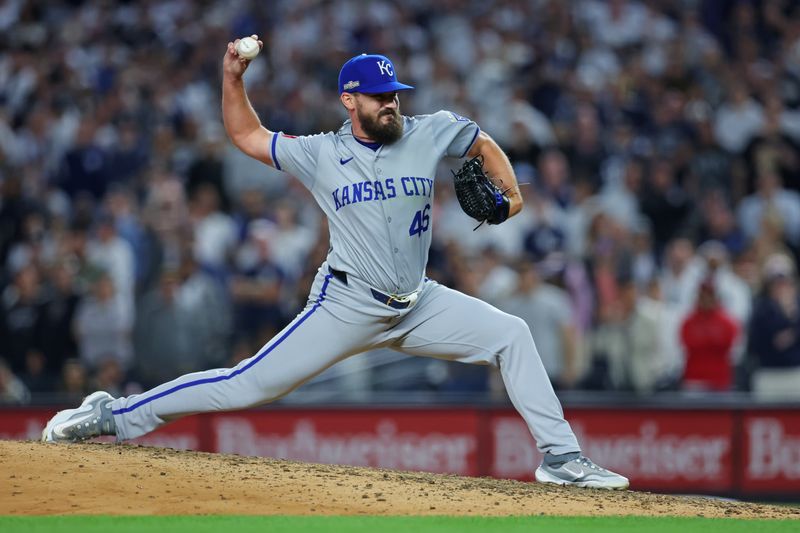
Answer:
(373, 524)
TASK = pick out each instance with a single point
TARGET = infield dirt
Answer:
(42, 479)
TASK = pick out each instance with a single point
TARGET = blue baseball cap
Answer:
(369, 74)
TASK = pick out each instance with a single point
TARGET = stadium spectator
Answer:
(717, 222)
(771, 196)
(181, 326)
(546, 309)
(774, 332)
(36, 245)
(642, 254)
(620, 198)
(578, 217)
(709, 168)
(85, 167)
(256, 286)
(214, 231)
(585, 149)
(166, 225)
(120, 203)
(665, 203)
(103, 324)
(160, 336)
(738, 120)
(546, 233)
(129, 156)
(774, 149)
(111, 253)
(628, 344)
(708, 335)
(291, 241)
(732, 292)
(498, 281)
(54, 328)
(670, 319)
(109, 376)
(74, 383)
(681, 274)
(15, 205)
(553, 178)
(35, 376)
(19, 314)
(12, 390)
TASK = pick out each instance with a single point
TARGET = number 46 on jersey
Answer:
(421, 222)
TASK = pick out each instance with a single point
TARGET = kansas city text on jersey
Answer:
(385, 189)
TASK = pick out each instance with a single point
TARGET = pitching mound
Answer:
(112, 479)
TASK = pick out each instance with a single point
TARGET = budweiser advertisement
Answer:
(771, 452)
(185, 434)
(657, 450)
(425, 440)
(23, 424)
(716, 451)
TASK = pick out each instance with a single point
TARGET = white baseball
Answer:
(247, 48)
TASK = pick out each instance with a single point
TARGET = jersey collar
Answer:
(372, 146)
(347, 131)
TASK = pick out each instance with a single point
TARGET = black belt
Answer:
(385, 299)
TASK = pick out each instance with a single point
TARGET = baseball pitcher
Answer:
(374, 179)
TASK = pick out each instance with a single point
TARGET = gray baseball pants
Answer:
(342, 320)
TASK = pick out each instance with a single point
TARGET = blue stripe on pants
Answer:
(235, 373)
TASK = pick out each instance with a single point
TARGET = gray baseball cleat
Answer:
(92, 419)
(580, 472)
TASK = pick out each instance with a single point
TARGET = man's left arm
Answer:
(498, 167)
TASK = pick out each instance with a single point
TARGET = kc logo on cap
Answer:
(386, 68)
(369, 74)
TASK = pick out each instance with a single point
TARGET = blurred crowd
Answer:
(657, 142)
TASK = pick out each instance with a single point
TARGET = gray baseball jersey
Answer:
(377, 199)
(371, 291)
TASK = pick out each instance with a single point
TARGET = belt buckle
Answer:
(409, 300)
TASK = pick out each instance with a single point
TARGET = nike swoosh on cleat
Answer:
(577, 473)
(58, 429)
(345, 161)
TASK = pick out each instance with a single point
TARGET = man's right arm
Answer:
(241, 121)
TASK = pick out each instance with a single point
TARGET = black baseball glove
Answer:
(479, 197)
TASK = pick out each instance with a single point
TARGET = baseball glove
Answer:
(479, 197)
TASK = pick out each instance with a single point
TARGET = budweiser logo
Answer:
(384, 447)
(515, 454)
(773, 453)
(647, 453)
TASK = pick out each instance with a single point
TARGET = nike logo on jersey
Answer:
(345, 161)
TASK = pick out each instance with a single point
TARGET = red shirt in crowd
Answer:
(708, 336)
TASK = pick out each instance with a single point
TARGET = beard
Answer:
(383, 133)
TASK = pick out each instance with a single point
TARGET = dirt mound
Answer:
(40, 479)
